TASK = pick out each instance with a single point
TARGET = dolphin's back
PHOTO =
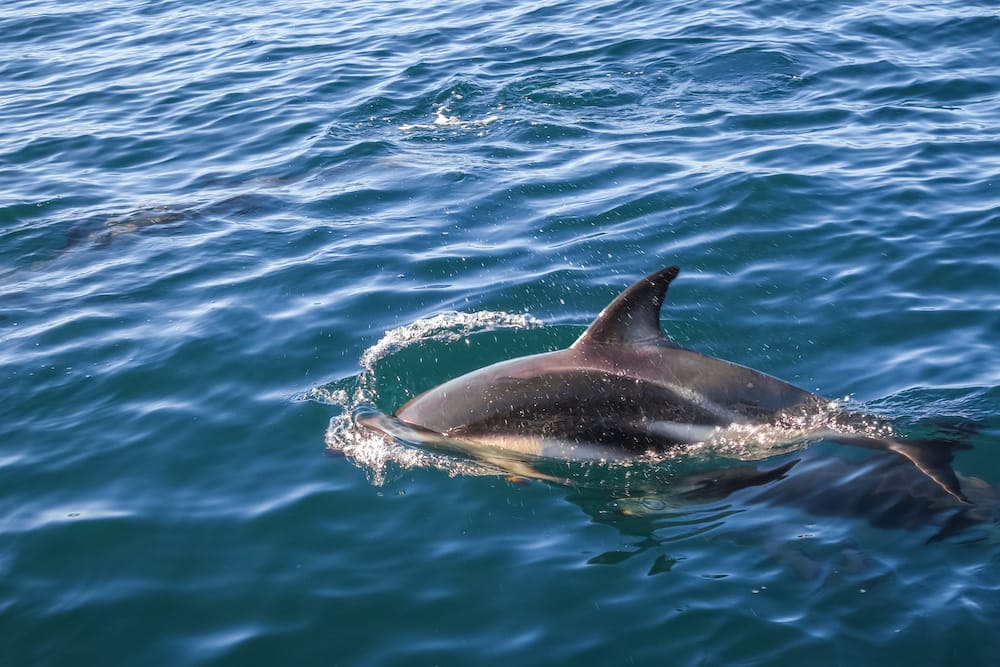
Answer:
(617, 397)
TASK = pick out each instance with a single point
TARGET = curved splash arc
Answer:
(445, 327)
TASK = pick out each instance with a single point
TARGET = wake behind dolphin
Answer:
(622, 390)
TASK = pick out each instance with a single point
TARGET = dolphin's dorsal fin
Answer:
(634, 316)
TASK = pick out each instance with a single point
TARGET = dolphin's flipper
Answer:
(634, 316)
(930, 457)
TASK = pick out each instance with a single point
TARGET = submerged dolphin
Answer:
(621, 390)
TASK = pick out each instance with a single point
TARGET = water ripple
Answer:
(212, 210)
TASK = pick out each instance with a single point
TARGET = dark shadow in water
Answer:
(823, 481)
(101, 230)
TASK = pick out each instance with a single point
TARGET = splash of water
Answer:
(444, 117)
(381, 457)
(446, 327)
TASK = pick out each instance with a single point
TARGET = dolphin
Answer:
(623, 390)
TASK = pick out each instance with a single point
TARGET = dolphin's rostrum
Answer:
(621, 390)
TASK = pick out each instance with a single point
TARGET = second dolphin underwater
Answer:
(622, 390)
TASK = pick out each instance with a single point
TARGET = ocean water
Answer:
(226, 225)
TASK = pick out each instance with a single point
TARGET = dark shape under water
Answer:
(884, 490)
(624, 389)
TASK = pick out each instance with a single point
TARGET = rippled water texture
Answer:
(212, 213)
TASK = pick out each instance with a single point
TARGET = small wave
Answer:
(445, 117)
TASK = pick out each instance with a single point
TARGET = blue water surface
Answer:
(210, 211)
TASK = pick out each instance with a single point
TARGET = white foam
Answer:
(444, 117)
(790, 432)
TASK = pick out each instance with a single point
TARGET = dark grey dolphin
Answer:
(624, 389)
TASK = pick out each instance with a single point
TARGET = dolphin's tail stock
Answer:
(931, 457)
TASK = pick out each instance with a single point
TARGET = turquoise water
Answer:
(212, 213)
